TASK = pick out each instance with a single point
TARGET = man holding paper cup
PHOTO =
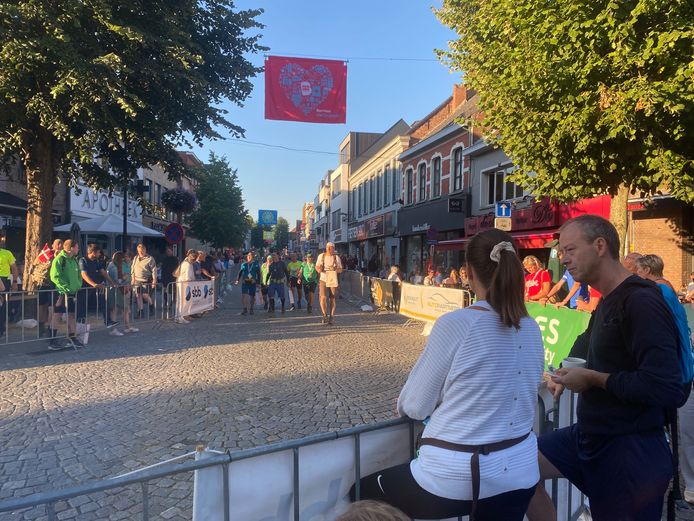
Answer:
(627, 375)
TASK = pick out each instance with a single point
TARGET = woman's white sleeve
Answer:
(423, 390)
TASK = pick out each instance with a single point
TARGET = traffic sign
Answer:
(503, 223)
(503, 209)
(268, 217)
(174, 233)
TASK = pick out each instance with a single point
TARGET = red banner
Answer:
(302, 89)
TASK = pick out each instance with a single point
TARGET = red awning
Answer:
(527, 241)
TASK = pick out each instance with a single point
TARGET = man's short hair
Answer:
(93, 248)
(654, 264)
(68, 244)
(594, 227)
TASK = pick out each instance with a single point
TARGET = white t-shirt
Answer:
(330, 264)
(186, 272)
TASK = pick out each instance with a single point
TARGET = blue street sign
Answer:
(503, 209)
(267, 217)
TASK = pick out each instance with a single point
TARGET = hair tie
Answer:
(495, 255)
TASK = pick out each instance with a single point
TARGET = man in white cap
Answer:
(329, 266)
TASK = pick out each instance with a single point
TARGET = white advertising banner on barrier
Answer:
(428, 302)
(195, 297)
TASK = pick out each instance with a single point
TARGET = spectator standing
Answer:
(121, 292)
(537, 281)
(93, 277)
(65, 274)
(8, 268)
(631, 377)
(186, 273)
(430, 279)
(488, 357)
(308, 277)
(651, 267)
(571, 296)
(265, 280)
(464, 282)
(143, 273)
(416, 276)
(453, 279)
(207, 271)
(329, 266)
(168, 267)
(41, 276)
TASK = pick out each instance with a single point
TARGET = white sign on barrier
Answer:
(428, 302)
(195, 297)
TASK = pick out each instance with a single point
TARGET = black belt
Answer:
(476, 450)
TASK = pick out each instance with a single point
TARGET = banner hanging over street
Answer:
(303, 89)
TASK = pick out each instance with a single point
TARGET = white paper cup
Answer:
(571, 361)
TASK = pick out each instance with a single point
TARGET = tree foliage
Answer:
(584, 95)
(281, 233)
(99, 89)
(257, 240)
(220, 218)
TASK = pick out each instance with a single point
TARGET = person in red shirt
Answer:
(537, 281)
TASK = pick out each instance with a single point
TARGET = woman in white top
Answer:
(477, 382)
(186, 273)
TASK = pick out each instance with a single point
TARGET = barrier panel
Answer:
(430, 302)
(385, 294)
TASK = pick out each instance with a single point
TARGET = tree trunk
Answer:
(619, 215)
(40, 164)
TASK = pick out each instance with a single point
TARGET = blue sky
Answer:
(379, 92)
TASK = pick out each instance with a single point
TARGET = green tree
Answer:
(281, 233)
(586, 96)
(99, 89)
(257, 236)
(220, 218)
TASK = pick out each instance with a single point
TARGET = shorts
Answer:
(397, 487)
(327, 292)
(46, 296)
(276, 289)
(625, 477)
(142, 287)
(309, 287)
(263, 289)
(60, 302)
(294, 282)
(248, 289)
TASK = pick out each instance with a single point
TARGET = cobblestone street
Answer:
(227, 381)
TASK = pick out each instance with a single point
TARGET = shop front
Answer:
(374, 243)
(422, 227)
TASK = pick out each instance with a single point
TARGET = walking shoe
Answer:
(151, 309)
(689, 496)
(330, 320)
(181, 320)
(56, 344)
(76, 343)
(251, 311)
(112, 323)
(292, 308)
(298, 305)
(244, 311)
(325, 319)
(220, 301)
(131, 330)
(115, 332)
(265, 305)
(309, 310)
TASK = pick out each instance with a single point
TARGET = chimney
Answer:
(459, 95)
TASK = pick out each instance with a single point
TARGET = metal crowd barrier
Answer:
(27, 316)
(568, 500)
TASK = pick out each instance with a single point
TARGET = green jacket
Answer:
(65, 274)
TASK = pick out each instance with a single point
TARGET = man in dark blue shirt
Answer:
(249, 273)
(616, 453)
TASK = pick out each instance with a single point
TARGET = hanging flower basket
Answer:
(179, 200)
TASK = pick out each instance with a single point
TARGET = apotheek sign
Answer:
(93, 203)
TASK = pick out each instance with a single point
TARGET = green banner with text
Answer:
(559, 327)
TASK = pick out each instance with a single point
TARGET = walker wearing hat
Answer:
(309, 279)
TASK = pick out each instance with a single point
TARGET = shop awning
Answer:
(110, 224)
(525, 241)
(451, 245)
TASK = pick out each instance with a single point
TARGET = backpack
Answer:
(684, 334)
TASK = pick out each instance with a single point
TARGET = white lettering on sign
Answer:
(91, 203)
(553, 336)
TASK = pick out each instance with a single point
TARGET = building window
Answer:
(150, 192)
(344, 154)
(386, 190)
(396, 184)
(158, 199)
(409, 187)
(422, 182)
(458, 169)
(372, 182)
(436, 177)
(336, 190)
(361, 198)
(499, 189)
(353, 209)
(379, 179)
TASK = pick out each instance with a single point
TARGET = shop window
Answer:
(361, 198)
(422, 182)
(436, 177)
(372, 206)
(458, 169)
(499, 189)
(386, 184)
(409, 186)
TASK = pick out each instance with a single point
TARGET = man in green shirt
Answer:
(65, 274)
(294, 266)
(308, 277)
